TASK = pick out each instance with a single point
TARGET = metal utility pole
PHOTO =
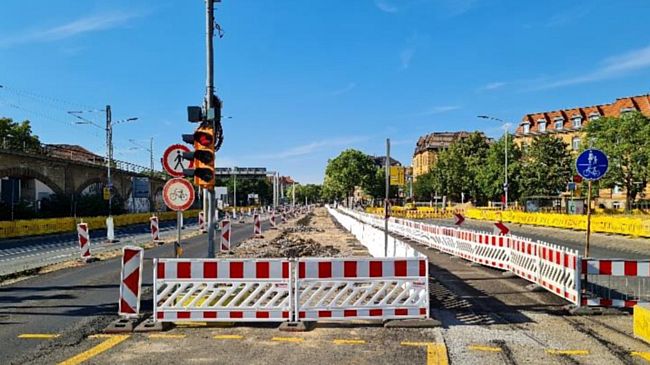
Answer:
(234, 193)
(505, 184)
(386, 202)
(209, 104)
(109, 157)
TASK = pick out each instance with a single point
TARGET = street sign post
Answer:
(178, 195)
(591, 165)
(173, 161)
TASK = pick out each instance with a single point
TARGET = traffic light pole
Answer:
(209, 92)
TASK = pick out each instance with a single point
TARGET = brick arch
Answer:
(94, 180)
(24, 172)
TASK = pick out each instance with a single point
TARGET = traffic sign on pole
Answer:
(592, 164)
(178, 194)
(173, 161)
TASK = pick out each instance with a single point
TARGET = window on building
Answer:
(559, 123)
(617, 189)
(627, 110)
(541, 126)
(575, 143)
(576, 121)
(594, 116)
(526, 127)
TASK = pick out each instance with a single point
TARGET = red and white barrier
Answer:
(225, 236)
(155, 230)
(213, 290)
(601, 272)
(84, 240)
(130, 281)
(362, 288)
(257, 226)
(202, 222)
(272, 220)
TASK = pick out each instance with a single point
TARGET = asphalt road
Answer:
(602, 245)
(75, 302)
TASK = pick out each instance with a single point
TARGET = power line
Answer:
(41, 97)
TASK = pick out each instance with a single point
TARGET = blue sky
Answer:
(303, 80)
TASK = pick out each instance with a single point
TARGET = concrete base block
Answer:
(112, 241)
(150, 326)
(122, 325)
(593, 311)
(473, 264)
(297, 326)
(413, 323)
(508, 274)
(258, 236)
(159, 242)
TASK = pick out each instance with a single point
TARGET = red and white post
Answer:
(272, 220)
(202, 222)
(155, 229)
(84, 241)
(225, 236)
(257, 226)
(130, 281)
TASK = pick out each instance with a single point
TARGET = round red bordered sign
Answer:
(178, 194)
(173, 161)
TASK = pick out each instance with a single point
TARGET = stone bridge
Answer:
(70, 176)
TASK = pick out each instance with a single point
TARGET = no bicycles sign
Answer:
(178, 194)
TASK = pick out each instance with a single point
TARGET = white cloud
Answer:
(87, 24)
(313, 147)
(493, 86)
(436, 110)
(350, 86)
(385, 6)
(406, 56)
(611, 67)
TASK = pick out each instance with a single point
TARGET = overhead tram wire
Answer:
(49, 99)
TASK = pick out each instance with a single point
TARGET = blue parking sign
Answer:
(592, 164)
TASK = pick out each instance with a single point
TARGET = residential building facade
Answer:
(568, 125)
(429, 147)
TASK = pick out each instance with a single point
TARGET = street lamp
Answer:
(505, 127)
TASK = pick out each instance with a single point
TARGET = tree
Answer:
(311, 192)
(626, 141)
(491, 176)
(350, 169)
(17, 136)
(545, 167)
(260, 186)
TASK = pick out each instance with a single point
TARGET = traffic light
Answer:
(203, 155)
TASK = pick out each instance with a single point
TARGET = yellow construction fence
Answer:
(32, 227)
(626, 225)
(420, 213)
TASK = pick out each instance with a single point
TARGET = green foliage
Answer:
(17, 136)
(626, 141)
(545, 168)
(348, 170)
(260, 186)
(491, 176)
(456, 172)
(311, 192)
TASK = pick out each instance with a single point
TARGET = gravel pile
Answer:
(284, 246)
(302, 229)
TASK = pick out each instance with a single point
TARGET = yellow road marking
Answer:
(190, 324)
(643, 355)
(288, 339)
(101, 335)
(436, 352)
(228, 337)
(567, 352)
(106, 345)
(349, 342)
(484, 348)
(39, 336)
(163, 335)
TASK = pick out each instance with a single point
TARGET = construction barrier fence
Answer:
(561, 271)
(34, 227)
(277, 290)
(625, 225)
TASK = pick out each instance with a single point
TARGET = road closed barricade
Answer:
(213, 290)
(362, 288)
